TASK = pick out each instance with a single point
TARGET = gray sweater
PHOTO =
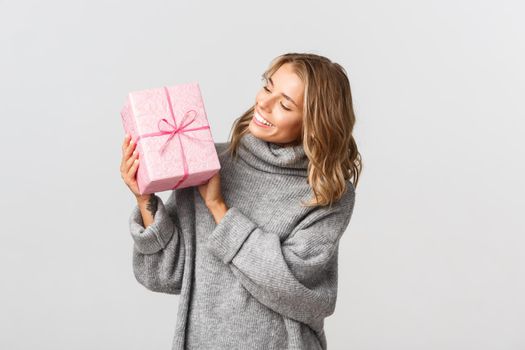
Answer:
(265, 277)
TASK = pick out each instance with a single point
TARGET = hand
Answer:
(129, 166)
(210, 191)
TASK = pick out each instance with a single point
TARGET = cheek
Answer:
(297, 126)
(289, 123)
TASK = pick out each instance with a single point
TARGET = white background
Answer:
(433, 256)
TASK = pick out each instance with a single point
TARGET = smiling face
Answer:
(279, 102)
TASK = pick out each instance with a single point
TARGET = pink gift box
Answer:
(174, 140)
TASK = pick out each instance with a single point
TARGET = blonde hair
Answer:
(328, 123)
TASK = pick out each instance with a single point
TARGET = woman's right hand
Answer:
(129, 165)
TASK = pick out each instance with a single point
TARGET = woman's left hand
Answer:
(211, 191)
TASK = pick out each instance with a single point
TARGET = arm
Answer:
(296, 278)
(158, 250)
(148, 206)
(218, 210)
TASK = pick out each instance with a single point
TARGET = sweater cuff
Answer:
(229, 234)
(156, 236)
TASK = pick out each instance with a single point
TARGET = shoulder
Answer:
(339, 212)
(221, 148)
(345, 204)
(348, 199)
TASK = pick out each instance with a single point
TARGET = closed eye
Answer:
(285, 108)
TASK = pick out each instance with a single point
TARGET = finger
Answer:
(125, 143)
(129, 173)
(129, 149)
(129, 162)
(123, 148)
(133, 169)
(125, 157)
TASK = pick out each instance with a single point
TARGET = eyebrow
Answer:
(284, 95)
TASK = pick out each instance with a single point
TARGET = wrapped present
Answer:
(173, 136)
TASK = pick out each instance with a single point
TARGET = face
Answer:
(279, 102)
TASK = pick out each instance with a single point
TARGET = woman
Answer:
(254, 262)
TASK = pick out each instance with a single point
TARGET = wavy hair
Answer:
(328, 123)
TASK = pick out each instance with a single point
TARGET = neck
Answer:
(289, 144)
(273, 157)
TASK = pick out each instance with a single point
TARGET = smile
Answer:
(260, 120)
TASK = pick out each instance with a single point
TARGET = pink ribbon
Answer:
(174, 130)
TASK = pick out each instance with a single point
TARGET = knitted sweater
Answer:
(265, 276)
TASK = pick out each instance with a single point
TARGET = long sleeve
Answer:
(297, 277)
(158, 250)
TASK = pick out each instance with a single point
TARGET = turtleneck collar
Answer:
(273, 158)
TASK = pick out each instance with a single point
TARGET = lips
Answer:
(262, 116)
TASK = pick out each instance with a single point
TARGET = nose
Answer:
(265, 103)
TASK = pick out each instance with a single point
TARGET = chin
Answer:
(256, 131)
(263, 134)
(253, 130)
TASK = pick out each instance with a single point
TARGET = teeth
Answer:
(261, 119)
